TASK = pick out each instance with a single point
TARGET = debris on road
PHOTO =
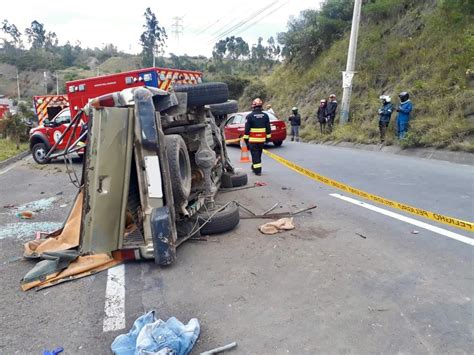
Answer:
(256, 184)
(220, 349)
(151, 336)
(37, 206)
(271, 208)
(415, 232)
(281, 225)
(25, 215)
(26, 229)
(53, 352)
(9, 206)
(277, 215)
(361, 235)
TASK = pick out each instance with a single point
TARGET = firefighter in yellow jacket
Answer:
(257, 132)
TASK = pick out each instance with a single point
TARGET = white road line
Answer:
(14, 165)
(115, 299)
(446, 233)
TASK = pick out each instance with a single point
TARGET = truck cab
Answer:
(43, 137)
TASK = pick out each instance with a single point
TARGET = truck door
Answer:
(60, 123)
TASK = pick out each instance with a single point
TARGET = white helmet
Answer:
(386, 98)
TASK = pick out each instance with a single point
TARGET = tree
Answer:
(51, 41)
(36, 35)
(220, 48)
(15, 36)
(15, 127)
(152, 39)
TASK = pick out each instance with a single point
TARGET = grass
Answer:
(8, 149)
(426, 52)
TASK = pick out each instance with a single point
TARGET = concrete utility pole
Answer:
(45, 83)
(18, 84)
(57, 83)
(350, 67)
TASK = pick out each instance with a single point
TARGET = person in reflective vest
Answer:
(257, 132)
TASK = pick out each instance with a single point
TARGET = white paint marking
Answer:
(446, 233)
(115, 299)
(14, 165)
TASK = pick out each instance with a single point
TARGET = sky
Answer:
(94, 23)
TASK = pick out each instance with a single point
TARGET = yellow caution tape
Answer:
(469, 226)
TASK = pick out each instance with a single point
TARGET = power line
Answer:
(243, 22)
(229, 14)
(263, 17)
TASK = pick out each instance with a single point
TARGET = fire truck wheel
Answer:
(220, 222)
(225, 108)
(180, 167)
(277, 143)
(236, 179)
(39, 152)
(204, 94)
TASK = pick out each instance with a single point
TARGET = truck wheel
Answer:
(277, 143)
(204, 94)
(39, 152)
(225, 108)
(220, 222)
(180, 167)
(230, 180)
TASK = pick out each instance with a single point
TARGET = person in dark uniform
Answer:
(321, 115)
(331, 111)
(257, 132)
(385, 113)
(295, 122)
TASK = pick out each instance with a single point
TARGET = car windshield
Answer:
(63, 117)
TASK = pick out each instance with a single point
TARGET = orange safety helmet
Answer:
(257, 103)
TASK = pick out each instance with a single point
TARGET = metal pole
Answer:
(18, 84)
(45, 83)
(351, 58)
(57, 84)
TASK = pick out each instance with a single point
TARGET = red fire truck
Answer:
(79, 92)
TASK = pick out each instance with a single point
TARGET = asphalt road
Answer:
(321, 288)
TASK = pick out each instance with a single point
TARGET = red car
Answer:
(235, 125)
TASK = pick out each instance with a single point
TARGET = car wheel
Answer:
(204, 94)
(225, 108)
(277, 143)
(180, 167)
(39, 153)
(220, 222)
(230, 180)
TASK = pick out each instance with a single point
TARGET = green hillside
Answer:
(423, 47)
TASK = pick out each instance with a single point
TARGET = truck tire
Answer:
(180, 167)
(236, 179)
(277, 143)
(39, 152)
(225, 108)
(222, 221)
(204, 94)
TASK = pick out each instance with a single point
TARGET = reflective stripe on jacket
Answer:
(257, 127)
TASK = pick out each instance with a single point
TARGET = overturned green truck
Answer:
(154, 162)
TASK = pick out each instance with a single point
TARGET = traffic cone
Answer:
(244, 152)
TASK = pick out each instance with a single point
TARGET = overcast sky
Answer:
(94, 22)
